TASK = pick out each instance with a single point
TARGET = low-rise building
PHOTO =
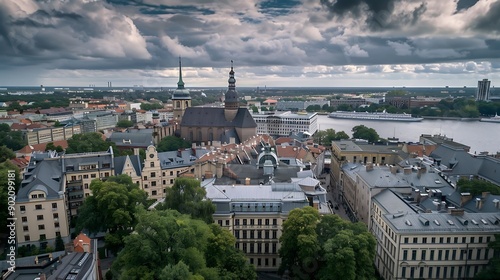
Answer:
(285, 123)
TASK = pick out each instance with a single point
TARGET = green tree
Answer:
(477, 187)
(188, 197)
(170, 245)
(363, 132)
(255, 109)
(336, 247)
(151, 106)
(172, 143)
(6, 154)
(111, 209)
(89, 142)
(124, 123)
(299, 243)
(59, 243)
(11, 139)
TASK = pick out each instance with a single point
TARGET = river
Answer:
(480, 136)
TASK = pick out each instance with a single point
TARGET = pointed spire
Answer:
(232, 80)
(180, 83)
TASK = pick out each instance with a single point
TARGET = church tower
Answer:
(181, 98)
(231, 103)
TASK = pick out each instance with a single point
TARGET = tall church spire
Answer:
(232, 80)
(180, 83)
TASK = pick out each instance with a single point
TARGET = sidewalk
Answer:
(332, 195)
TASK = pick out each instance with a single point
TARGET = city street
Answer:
(333, 196)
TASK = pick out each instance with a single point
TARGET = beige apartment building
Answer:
(446, 244)
(46, 135)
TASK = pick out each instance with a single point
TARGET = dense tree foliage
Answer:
(111, 208)
(363, 132)
(325, 137)
(477, 187)
(11, 139)
(492, 271)
(51, 147)
(188, 197)
(151, 106)
(124, 123)
(6, 153)
(318, 247)
(172, 143)
(89, 142)
(169, 245)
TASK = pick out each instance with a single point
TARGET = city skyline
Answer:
(321, 43)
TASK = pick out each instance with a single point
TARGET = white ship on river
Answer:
(496, 119)
(377, 116)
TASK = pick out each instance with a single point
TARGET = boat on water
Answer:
(496, 119)
(377, 116)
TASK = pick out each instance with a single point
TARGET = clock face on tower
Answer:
(151, 155)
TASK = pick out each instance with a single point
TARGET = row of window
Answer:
(39, 217)
(41, 227)
(258, 248)
(440, 272)
(22, 208)
(252, 222)
(41, 237)
(441, 240)
(255, 234)
(453, 255)
(266, 261)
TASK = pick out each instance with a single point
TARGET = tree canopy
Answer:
(88, 142)
(317, 247)
(151, 106)
(477, 187)
(363, 132)
(124, 123)
(188, 197)
(325, 137)
(111, 208)
(170, 245)
(11, 139)
(172, 143)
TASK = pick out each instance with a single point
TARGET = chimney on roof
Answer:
(369, 166)
(464, 198)
(247, 181)
(479, 203)
(43, 277)
(394, 169)
(421, 197)
(407, 170)
(496, 202)
(136, 151)
(456, 212)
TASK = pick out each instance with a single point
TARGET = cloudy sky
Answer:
(272, 42)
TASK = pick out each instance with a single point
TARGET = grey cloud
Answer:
(490, 22)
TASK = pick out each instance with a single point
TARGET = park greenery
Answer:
(151, 106)
(111, 209)
(318, 247)
(124, 123)
(325, 137)
(172, 143)
(169, 245)
(188, 197)
(89, 142)
(11, 139)
(366, 133)
(477, 187)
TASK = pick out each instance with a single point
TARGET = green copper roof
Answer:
(180, 83)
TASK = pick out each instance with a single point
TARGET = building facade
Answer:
(483, 90)
(285, 123)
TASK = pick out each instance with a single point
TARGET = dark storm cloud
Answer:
(465, 4)
(490, 22)
(380, 13)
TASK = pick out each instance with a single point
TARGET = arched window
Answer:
(178, 104)
(187, 104)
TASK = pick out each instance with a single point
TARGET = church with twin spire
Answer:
(227, 124)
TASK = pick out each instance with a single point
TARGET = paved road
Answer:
(333, 196)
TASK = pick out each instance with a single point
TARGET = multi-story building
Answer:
(444, 244)
(483, 90)
(103, 119)
(285, 123)
(254, 193)
(45, 135)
